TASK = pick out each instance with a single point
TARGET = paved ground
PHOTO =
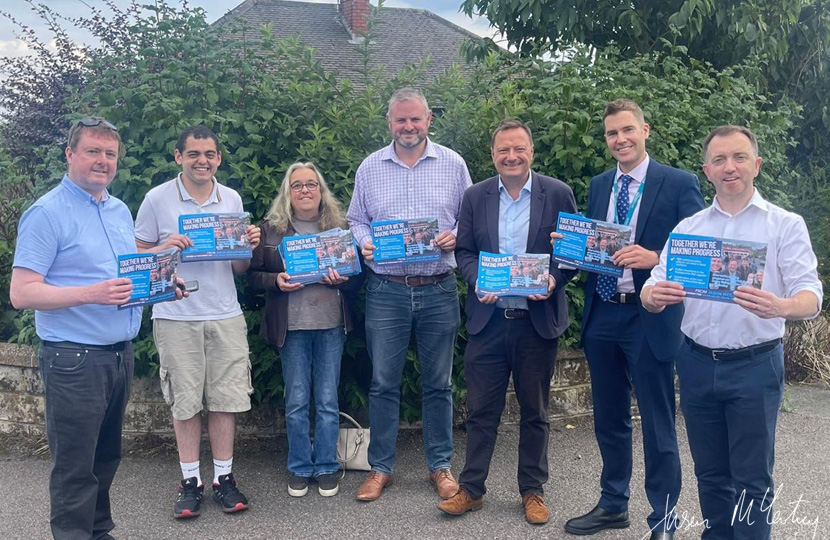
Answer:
(145, 488)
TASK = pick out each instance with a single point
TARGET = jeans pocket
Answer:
(374, 284)
(449, 285)
(166, 386)
(65, 361)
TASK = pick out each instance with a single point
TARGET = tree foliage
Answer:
(271, 104)
(722, 32)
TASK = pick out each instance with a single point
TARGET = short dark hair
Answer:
(510, 123)
(725, 131)
(623, 104)
(96, 124)
(197, 132)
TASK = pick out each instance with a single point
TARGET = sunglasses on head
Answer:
(92, 122)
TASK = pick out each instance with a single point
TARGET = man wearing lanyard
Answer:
(411, 178)
(624, 343)
(731, 366)
(65, 268)
(516, 337)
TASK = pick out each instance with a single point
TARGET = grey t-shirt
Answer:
(315, 306)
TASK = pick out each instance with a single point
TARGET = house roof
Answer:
(401, 36)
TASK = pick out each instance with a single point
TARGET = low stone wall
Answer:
(22, 402)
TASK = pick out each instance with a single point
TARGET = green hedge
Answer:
(272, 104)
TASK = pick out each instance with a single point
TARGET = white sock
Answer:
(220, 468)
(191, 469)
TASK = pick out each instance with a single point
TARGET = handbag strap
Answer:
(350, 419)
(358, 439)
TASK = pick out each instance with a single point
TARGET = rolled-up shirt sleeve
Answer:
(797, 262)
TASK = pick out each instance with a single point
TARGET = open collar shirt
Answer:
(790, 268)
(625, 284)
(514, 225)
(158, 218)
(387, 189)
(73, 240)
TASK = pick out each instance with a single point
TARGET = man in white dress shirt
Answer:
(731, 368)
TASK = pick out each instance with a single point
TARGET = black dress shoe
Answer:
(597, 520)
(661, 535)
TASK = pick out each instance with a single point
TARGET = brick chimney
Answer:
(355, 14)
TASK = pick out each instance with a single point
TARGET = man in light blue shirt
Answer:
(65, 268)
(514, 213)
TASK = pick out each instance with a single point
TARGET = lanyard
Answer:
(632, 207)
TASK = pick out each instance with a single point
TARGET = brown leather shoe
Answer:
(372, 487)
(446, 484)
(535, 510)
(460, 503)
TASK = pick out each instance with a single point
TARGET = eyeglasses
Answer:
(298, 186)
(92, 122)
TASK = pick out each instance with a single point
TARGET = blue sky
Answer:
(11, 46)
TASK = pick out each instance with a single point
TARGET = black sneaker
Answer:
(328, 484)
(297, 486)
(228, 496)
(189, 499)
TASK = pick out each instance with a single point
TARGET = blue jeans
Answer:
(311, 359)
(392, 310)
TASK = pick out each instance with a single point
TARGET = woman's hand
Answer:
(284, 285)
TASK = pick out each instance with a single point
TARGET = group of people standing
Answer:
(634, 327)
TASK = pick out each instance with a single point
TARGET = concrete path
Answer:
(145, 488)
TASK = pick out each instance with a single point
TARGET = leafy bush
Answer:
(165, 68)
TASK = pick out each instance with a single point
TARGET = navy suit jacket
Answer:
(669, 196)
(478, 230)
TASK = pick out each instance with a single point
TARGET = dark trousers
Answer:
(502, 348)
(731, 410)
(86, 394)
(619, 357)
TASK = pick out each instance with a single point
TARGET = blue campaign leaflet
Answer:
(405, 241)
(590, 244)
(216, 237)
(308, 257)
(712, 268)
(153, 276)
(513, 275)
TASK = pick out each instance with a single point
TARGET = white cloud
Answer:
(14, 47)
(478, 25)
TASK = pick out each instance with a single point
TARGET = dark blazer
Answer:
(266, 263)
(478, 230)
(669, 196)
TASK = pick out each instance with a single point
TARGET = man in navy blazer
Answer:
(513, 213)
(623, 342)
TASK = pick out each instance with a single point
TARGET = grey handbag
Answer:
(353, 446)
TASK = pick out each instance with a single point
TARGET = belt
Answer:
(515, 313)
(416, 281)
(735, 354)
(625, 298)
(115, 347)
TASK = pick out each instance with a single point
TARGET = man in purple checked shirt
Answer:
(412, 178)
